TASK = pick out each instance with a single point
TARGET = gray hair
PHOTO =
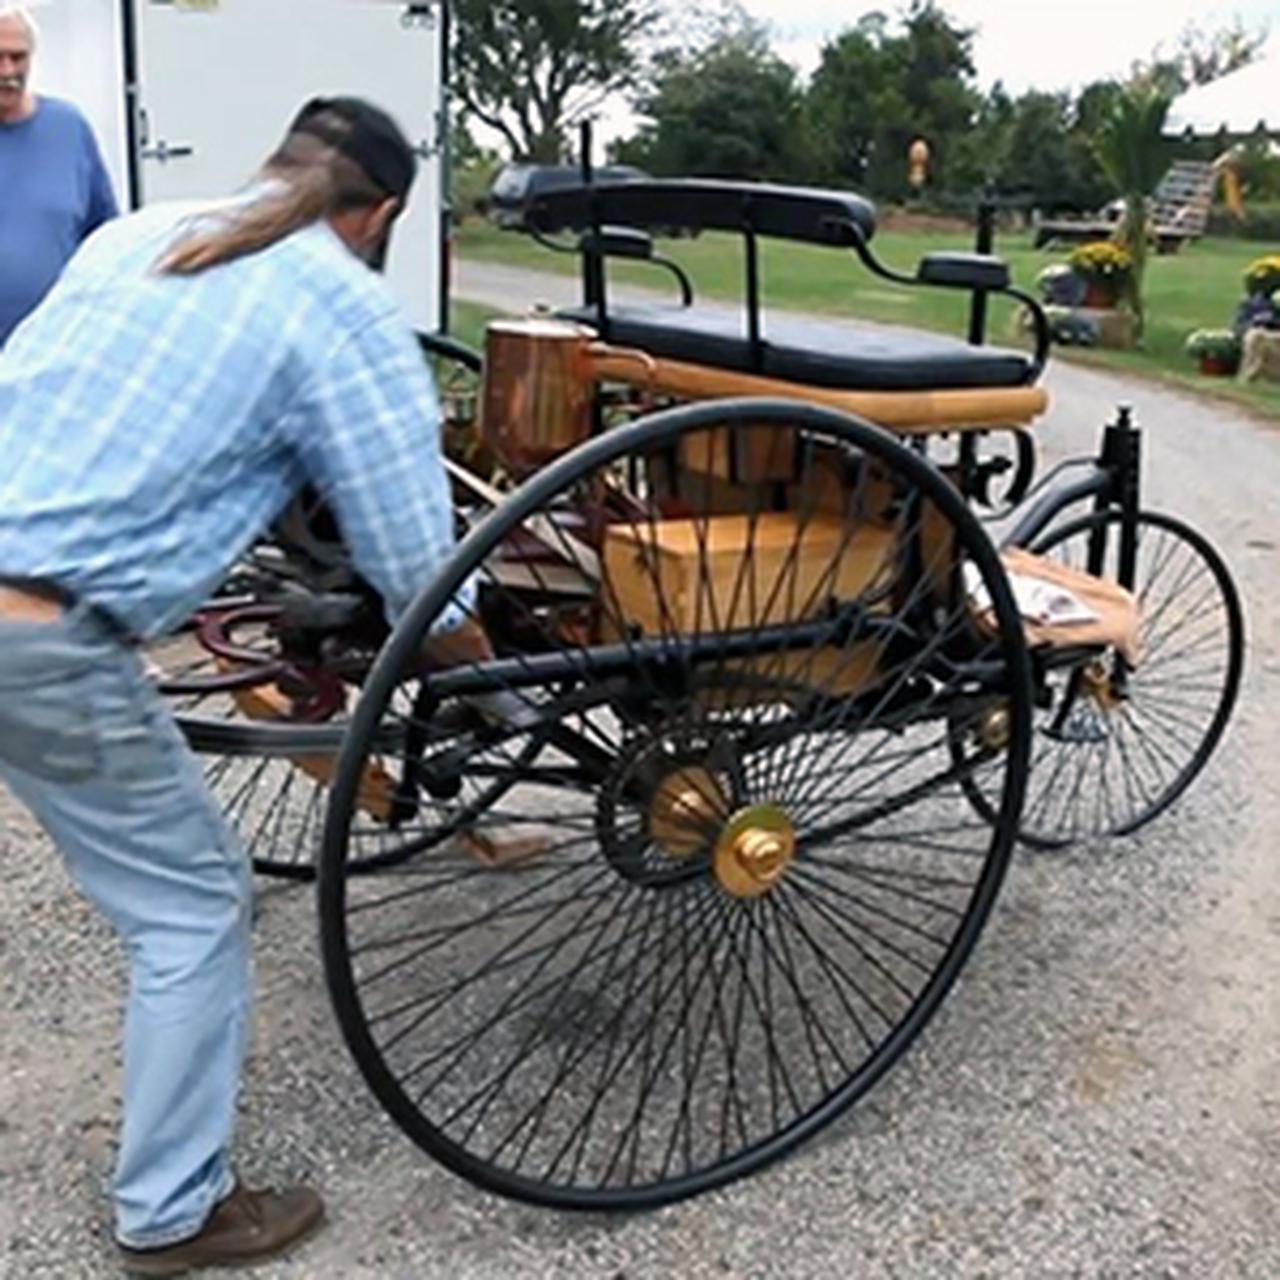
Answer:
(9, 9)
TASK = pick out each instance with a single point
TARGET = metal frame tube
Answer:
(1096, 483)
(129, 40)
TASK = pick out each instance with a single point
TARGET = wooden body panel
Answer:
(736, 572)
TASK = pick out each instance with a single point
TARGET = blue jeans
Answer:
(88, 745)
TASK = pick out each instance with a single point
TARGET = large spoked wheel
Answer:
(1117, 747)
(741, 873)
(268, 735)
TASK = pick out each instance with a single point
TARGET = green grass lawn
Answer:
(467, 321)
(1197, 288)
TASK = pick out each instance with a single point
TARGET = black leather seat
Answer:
(810, 351)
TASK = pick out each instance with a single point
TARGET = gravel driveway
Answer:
(1100, 1097)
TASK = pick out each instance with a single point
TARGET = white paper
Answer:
(1038, 601)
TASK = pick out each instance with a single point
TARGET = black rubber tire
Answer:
(973, 856)
(1096, 775)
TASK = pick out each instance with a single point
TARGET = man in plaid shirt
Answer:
(191, 370)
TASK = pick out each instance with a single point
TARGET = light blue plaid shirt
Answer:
(151, 427)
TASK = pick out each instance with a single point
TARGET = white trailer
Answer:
(188, 96)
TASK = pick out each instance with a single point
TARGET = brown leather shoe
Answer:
(246, 1227)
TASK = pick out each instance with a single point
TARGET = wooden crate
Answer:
(695, 576)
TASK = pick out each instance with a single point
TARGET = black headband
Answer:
(371, 139)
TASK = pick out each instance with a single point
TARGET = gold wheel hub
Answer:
(995, 728)
(687, 806)
(1097, 683)
(754, 851)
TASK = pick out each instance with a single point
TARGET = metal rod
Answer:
(752, 246)
(985, 243)
(586, 136)
(679, 653)
(446, 166)
(1095, 484)
(593, 282)
(129, 39)
(1128, 482)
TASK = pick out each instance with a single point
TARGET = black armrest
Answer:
(964, 271)
(619, 242)
(440, 344)
(631, 242)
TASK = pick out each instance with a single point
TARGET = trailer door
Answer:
(219, 80)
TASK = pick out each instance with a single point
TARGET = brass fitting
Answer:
(754, 851)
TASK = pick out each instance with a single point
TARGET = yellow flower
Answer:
(1102, 260)
(1263, 275)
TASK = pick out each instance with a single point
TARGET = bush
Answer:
(471, 182)
(1261, 222)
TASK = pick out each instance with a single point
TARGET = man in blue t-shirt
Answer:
(54, 188)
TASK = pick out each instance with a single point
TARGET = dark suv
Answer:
(518, 184)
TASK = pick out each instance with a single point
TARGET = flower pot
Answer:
(1099, 297)
(1216, 367)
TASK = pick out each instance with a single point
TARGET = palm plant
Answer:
(1134, 155)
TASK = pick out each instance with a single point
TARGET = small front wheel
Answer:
(1117, 747)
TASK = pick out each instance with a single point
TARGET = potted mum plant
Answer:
(1262, 279)
(1105, 267)
(1217, 350)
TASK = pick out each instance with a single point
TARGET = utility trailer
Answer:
(188, 96)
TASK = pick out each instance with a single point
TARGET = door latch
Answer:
(419, 15)
(164, 151)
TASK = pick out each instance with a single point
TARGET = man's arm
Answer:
(367, 430)
(101, 205)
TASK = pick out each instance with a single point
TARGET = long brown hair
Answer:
(307, 178)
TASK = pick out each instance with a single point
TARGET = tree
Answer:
(1134, 155)
(938, 74)
(874, 92)
(1090, 189)
(730, 110)
(1200, 57)
(1206, 56)
(979, 157)
(472, 169)
(855, 93)
(1040, 144)
(530, 68)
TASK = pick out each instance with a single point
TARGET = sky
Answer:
(1042, 44)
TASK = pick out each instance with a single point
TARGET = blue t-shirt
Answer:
(54, 191)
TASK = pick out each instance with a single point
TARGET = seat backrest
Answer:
(812, 215)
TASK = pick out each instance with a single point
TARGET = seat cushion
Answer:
(810, 351)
